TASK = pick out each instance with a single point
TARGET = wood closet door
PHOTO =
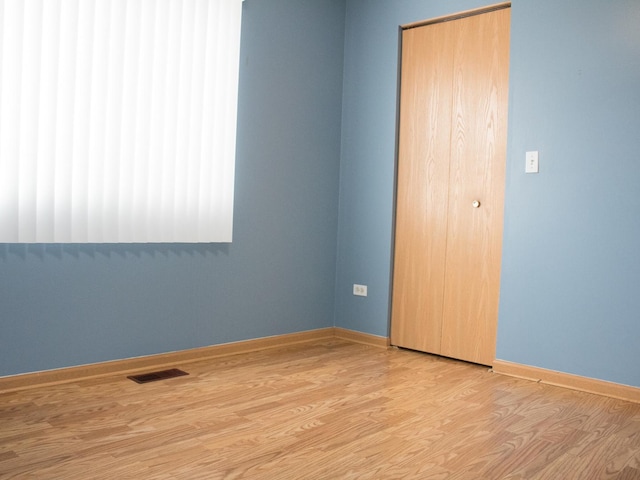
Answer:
(452, 148)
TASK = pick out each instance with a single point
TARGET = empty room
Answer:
(319, 239)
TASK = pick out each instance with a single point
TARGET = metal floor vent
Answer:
(154, 376)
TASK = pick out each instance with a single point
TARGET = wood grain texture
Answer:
(566, 380)
(477, 172)
(422, 192)
(452, 151)
(157, 362)
(327, 409)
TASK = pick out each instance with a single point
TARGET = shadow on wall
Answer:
(43, 251)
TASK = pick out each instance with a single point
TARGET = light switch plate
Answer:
(532, 162)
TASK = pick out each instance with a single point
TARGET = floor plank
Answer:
(322, 410)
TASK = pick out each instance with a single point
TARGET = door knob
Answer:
(476, 204)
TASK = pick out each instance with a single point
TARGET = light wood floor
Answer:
(323, 410)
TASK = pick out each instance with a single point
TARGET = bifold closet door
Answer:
(452, 148)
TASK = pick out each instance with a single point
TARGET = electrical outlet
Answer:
(359, 290)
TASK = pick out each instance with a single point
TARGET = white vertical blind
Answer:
(118, 120)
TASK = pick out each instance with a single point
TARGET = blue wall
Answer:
(64, 305)
(571, 264)
(317, 123)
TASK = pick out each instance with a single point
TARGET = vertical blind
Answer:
(118, 120)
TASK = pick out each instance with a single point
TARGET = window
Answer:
(118, 120)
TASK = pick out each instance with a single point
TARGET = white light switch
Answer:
(532, 162)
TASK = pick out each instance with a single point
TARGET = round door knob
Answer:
(476, 204)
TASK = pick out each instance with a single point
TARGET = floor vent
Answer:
(154, 376)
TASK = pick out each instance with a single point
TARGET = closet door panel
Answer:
(477, 174)
(422, 192)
